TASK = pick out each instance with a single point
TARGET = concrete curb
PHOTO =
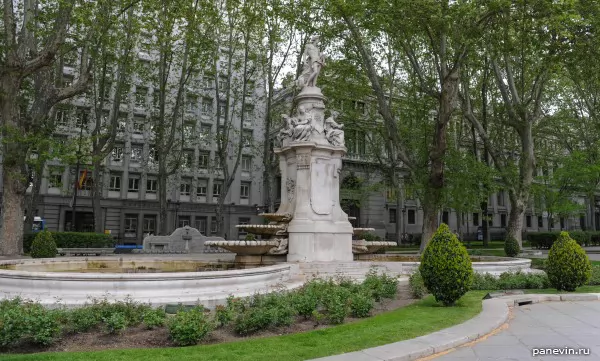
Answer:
(493, 315)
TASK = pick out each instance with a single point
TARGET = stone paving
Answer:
(555, 325)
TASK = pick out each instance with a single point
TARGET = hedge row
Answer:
(545, 240)
(74, 240)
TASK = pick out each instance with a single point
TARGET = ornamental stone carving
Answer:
(334, 131)
(314, 61)
(290, 186)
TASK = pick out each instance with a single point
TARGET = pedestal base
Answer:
(314, 241)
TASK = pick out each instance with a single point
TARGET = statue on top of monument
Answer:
(333, 131)
(313, 62)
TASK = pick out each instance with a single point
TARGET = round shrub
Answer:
(446, 267)
(511, 247)
(253, 320)
(336, 304)
(43, 246)
(115, 323)
(189, 327)
(568, 266)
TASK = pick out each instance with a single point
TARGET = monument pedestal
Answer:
(310, 165)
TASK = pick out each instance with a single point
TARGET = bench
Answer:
(85, 251)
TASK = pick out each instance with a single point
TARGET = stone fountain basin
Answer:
(276, 217)
(51, 280)
(250, 248)
(361, 231)
(408, 264)
(261, 229)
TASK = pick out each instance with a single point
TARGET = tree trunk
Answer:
(515, 219)
(162, 203)
(485, 229)
(13, 199)
(34, 199)
(430, 223)
(219, 217)
(97, 187)
(399, 226)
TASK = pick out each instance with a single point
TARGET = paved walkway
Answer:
(556, 325)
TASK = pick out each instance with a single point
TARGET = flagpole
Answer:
(76, 185)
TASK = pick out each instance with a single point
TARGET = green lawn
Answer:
(418, 319)
(582, 289)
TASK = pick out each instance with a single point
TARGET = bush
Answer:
(73, 240)
(305, 302)
(446, 267)
(595, 278)
(21, 321)
(189, 327)
(545, 240)
(568, 266)
(253, 320)
(336, 304)
(417, 287)
(43, 246)
(84, 319)
(154, 318)
(361, 303)
(115, 323)
(484, 282)
(511, 247)
(381, 286)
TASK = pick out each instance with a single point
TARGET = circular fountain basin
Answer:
(74, 281)
(407, 264)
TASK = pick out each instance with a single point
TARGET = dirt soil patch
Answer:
(140, 337)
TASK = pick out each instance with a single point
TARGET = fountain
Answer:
(309, 235)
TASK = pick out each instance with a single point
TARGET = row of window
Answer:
(411, 219)
(199, 222)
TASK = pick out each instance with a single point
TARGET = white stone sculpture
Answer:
(313, 63)
(334, 131)
(287, 131)
(303, 126)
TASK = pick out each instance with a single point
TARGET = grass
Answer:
(421, 318)
(582, 289)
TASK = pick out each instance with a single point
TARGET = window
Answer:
(152, 156)
(131, 222)
(185, 188)
(184, 221)
(87, 181)
(222, 83)
(540, 221)
(146, 39)
(242, 233)
(62, 117)
(248, 113)
(134, 183)
(214, 226)
(138, 125)
(392, 215)
(247, 138)
(208, 82)
(217, 188)
(156, 99)
(192, 103)
(67, 81)
(562, 223)
(411, 216)
(106, 92)
(55, 180)
(203, 160)
(222, 109)
(188, 131)
(149, 224)
(187, 160)
(490, 218)
(360, 108)
(503, 220)
(500, 198)
(445, 217)
(201, 189)
(245, 190)
(83, 118)
(205, 132)
(207, 106)
(476, 219)
(122, 122)
(151, 185)
(218, 164)
(117, 154)
(246, 163)
(528, 221)
(140, 96)
(115, 183)
(136, 154)
(201, 224)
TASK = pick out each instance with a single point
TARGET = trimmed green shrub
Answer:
(484, 281)
(545, 240)
(84, 319)
(73, 240)
(22, 321)
(115, 323)
(253, 320)
(43, 246)
(337, 305)
(416, 285)
(189, 327)
(361, 303)
(510, 281)
(154, 318)
(381, 286)
(305, 302)
(446, 267)
(511, 247)
(568, 266)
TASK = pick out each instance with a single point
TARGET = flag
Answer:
(82, 179)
